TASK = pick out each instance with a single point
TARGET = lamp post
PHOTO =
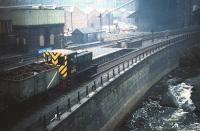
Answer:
(100, 18)
(109, 22)
(87, 21)
(61, 40)
(71, 20)
(71, 17)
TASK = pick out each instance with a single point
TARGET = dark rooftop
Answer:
(85, 30)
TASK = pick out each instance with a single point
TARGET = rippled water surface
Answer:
(168, 106)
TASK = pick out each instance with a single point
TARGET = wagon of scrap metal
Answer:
(20, 84)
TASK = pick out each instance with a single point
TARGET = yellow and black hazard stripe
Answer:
(47, 58)
(53, 60)
(63, 68)
(44, 58)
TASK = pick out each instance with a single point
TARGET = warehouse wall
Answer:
(7, 39)
(29, 17)
(32, 29)
(31, 38)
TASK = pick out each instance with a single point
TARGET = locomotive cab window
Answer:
(61, 61)
(74, 59)
(48, 59)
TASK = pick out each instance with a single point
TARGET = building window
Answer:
(52, 39)
(41, 40)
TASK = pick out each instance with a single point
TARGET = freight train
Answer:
(58, 66)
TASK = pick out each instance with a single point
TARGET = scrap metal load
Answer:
(22, 83)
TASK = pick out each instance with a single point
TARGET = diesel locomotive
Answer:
(72, 65)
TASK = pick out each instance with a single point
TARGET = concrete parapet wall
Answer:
(108, 107)
(111, 56)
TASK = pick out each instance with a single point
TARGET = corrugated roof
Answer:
(85, 30)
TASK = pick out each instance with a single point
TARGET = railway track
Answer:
(62, 102)
(25, 59)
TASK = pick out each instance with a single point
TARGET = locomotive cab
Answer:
(64, 59)
(71, 63)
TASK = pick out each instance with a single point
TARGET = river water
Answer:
(173, 104)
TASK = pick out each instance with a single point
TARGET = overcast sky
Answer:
(79, 3)
(91, 3)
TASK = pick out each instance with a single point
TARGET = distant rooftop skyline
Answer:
(91, 3)
(78, 3)
(85, 5)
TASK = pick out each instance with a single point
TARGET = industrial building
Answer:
(84, 35)
(7, 38)
(26, 30)
(38, 28)
(75, 18)
(166, 14)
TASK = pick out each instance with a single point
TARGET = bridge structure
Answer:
(117, 92)
(109, 97)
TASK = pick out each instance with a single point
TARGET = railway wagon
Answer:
(20, 84)
(73, 66)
